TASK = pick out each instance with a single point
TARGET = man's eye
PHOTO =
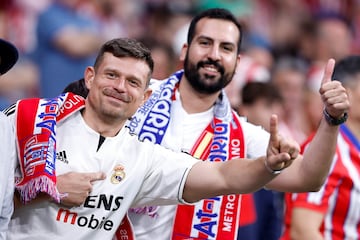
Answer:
(228, 48)
(133, 82)
(205, 43)
(110, 75)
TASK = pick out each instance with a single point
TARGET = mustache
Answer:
(115, 94)
(216, 64)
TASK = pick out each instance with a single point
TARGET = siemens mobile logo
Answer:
(109, 203)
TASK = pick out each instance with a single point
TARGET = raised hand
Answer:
(281, 152)
(333, 94)
(76, 187)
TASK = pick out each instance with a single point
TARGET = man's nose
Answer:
(214, 53)
(120, 83)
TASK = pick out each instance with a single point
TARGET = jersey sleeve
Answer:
(166, 179)
(256, 139)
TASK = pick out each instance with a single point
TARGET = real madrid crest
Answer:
(118, 175)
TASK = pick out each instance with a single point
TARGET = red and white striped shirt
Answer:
(339, 198)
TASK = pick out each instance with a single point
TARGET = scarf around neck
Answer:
(35, 130)
(220, 141)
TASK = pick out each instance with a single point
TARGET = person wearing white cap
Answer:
(8, 57)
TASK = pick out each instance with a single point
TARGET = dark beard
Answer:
(194, 78)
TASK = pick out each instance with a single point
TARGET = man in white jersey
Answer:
(89, 136)
(8, 57)
(178, 115)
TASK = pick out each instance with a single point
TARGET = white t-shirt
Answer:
(7, 153)
(182, 133)
(146, 174)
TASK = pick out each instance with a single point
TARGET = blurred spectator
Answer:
(327, 36)
(272, 27)
(164, 22)
(284, 26)
(248, 70)
(274, 24)
(20, 82)
(104, 13)
(260, 55)
(131, 14)
(165, 60)
(157, 18)
(289, 76)
(17, 21)
(333, 212)
(259, 101)
(66, 44)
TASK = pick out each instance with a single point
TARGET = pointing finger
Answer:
(274, 139)
(96, 176)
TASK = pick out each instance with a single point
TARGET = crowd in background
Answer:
(285, 42)
(308, 30)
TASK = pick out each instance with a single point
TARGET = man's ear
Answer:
(183, 52)
(146, 95)
(89, 75)
(238, 58)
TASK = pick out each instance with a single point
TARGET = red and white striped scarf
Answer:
(214, 218)
(35, 128)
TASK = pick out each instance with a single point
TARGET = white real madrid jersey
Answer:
(137, 173)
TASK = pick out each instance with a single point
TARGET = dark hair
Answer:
(214, 13)
(346, 69)
(253, 91)
(78, 87)
(126, 47)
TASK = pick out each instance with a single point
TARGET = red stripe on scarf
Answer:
(125, 230)
(36, 142)
(224, 226)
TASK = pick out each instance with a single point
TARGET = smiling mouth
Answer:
(209, 72)
(115, 95)
(211, 68)
(120, 98)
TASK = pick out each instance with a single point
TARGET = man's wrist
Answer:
(270, 170)
(334, 121)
